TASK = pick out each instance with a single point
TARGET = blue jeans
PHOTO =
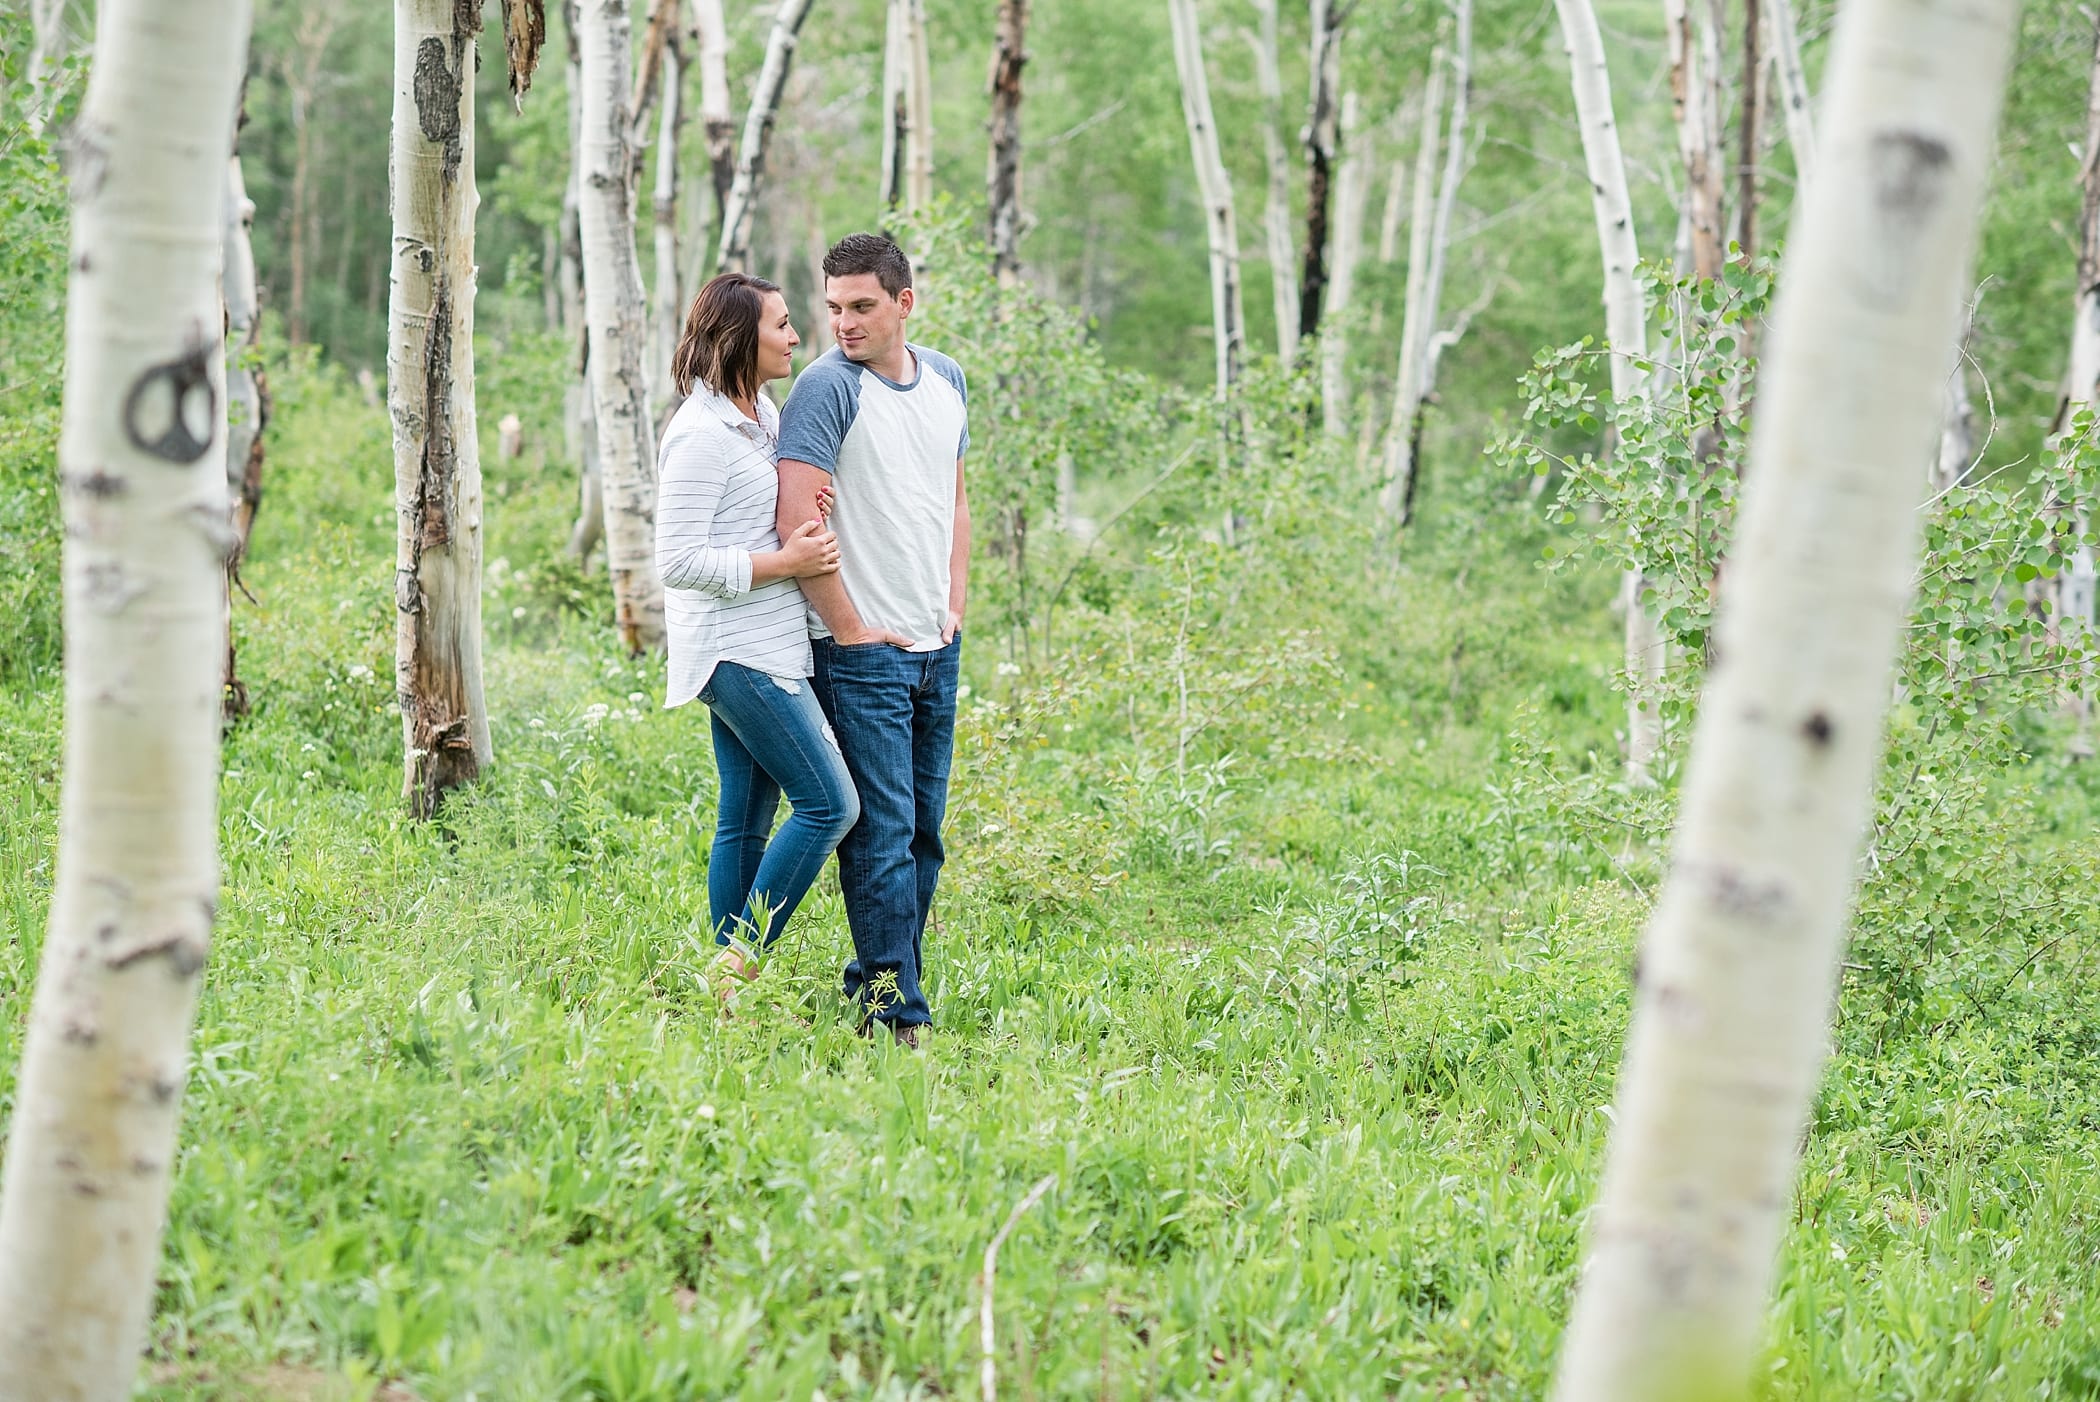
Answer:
(894, 714)
(769, 740)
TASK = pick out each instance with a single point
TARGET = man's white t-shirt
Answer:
(892, 451)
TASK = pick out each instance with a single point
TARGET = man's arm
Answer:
(958, 560)
(799, 484)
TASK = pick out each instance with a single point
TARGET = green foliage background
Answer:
(1295, 894)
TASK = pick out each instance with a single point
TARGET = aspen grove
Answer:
(1523, 812)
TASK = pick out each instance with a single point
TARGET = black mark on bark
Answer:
(437, 86)
(190, 399)
(184, 955)
(1818, 729)
(1909, 170)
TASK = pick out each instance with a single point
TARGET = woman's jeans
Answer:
(770, 739)
(894, 712)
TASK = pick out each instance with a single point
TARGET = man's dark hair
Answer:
(720, 344)
(870, 253)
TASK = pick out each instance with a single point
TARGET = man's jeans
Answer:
(894, 714)
(769, 739)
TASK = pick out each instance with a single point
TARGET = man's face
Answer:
(865, 320)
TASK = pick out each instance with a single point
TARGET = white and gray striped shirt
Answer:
(716, 490)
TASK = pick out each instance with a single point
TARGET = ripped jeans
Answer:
(770, 738)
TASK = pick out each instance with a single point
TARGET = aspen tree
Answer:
(579, 418)
(47, 39)
(717, 115)
(430, 399)
(1430, 238)
(1320, 117)
(1784, 40)
(1693, 105)
(918, 94)
(247, 402)
(1626, 343)
(617, 326)
(142, 477)
(1003, 165)
(1740, 960)
(1350, 195)
(742, 204)
(1214, 186)
(2076, 587)
(1276, 211)
(666, 299)
(895, 109)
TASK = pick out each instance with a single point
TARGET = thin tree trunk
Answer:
(1276, 215)
(1214, 184)
(1740, 961)
(1325, 86)
(303, 79)
(590, 489)
(1416, 378)
(579, 422)
(918, 146)
(1395, 215)
(742, 201)
(1698, 137)
(1003, 176)
(247, 405)
(617, 326)
(667, 299)
(98, 1095)
(717, 115)
(1350, 198)
(47, 37)
(430, 398)
(1752, 128)
(1626, 337)
(895, 110)
(1785, 42)
(2078, 585)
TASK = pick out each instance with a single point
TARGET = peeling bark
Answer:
(430, 398)
(1740, 961)
(524, 35)
(1326, 81)
(83, 1191)
(618, 327)
(1003, 173)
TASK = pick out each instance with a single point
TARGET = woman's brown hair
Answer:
(719, 347)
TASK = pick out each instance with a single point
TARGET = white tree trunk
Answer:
(742, 204)
(1698, 133)
(667, 303)
(430, 398)
(1784, 40)
(895, 113)
(247, 396)
(1740, 961)
(617, 326)
(1425, 278)
(918, 145)
(1276, 213)
(1395, 215)
(1626, 336)
(142, 475)
(1350, 196)
(589, 528)
(47, 31)
(1214, 184)
(717, 114)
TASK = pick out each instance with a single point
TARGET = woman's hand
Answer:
(812, 549)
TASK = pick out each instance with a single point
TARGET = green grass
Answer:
(1319, 1048)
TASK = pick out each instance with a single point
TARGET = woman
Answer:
(736, 621)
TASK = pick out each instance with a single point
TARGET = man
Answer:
(885, 423)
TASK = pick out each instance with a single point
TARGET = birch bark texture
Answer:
(615, 321)
(1428, 242)
(142, 476)
(741, 206)
(1214, 188)
(1626, 344)
(666, 297)
(430, 399)
(1351, 194)
(1003, 165)
(1740, 960)
(1276, 209)
(1692, 101)
(717, 114)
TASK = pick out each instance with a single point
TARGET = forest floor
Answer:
(1322, 1085)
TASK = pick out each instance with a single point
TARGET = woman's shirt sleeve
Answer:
(693, 472)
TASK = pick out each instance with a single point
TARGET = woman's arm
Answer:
(691, 476)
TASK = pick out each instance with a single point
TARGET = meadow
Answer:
(1289, 931)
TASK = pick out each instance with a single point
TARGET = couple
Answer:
(814, 561)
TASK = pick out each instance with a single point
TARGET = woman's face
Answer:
(776, 339)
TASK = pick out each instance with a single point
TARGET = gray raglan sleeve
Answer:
(819, 410)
